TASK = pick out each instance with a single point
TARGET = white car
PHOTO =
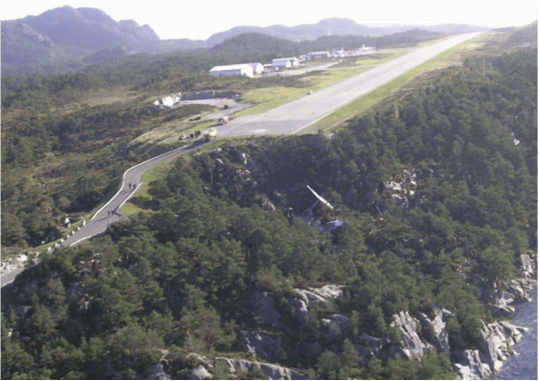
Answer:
(310, 92)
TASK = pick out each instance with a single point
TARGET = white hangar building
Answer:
(284, 63)
(318, 55)
(239, 69)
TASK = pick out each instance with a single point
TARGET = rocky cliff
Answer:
(418, 333)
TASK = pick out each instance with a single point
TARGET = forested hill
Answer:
(335, 26)
(26, 51)
(171, 71)
(67, 39)
(261, 43)
(434, 196)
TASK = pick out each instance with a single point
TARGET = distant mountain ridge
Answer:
(90, 28)
(326, 27)
(335, 26)
(67, 38)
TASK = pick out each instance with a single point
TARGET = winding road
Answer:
(110, 212)
(286, 119)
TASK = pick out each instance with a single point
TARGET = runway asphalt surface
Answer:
(296, 115)
(286, 119)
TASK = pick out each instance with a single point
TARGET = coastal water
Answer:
(523, 366)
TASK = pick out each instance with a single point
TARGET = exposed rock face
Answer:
(336, 324)
(329, 291)
(199, 373)
(261, 345)
(471, 367)
(200, 359)
(420, 333)
(518, 288)
(273, 372)
(264, 304)
(501, 302)
(156, 372)
(370, 347)
(502, 298)
(438, 323)
(528, 265)
(495, 346)
(299, 310)
(412, 345)
(308, 296)
(497, 341)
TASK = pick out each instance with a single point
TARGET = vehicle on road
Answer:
(183, 137)
(222, 121)
(310, 92)
(210, 134)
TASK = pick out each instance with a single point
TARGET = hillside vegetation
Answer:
(67, 39)
(66, 138)
(437, 200)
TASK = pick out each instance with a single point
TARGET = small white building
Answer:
(294, 61)
(318, 55)
(284, 63)
(258, 68)
(238, 69)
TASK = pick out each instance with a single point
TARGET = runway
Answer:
(301, 113)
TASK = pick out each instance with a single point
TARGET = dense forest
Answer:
(60, 155)
(436, 191)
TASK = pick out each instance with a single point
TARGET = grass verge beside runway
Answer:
(270, 97)
(448, 58)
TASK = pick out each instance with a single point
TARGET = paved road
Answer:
(298, 71)
(110, 212)
(286, 119)
(296, 115)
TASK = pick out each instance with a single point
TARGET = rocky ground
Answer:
(419, 333)
(316, 312)
(495, 345)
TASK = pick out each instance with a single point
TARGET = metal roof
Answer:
(231, 67)
(284, 58)
(279, 61)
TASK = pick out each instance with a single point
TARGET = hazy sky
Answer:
(198, 19)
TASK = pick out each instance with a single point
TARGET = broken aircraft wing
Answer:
(320, 197)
